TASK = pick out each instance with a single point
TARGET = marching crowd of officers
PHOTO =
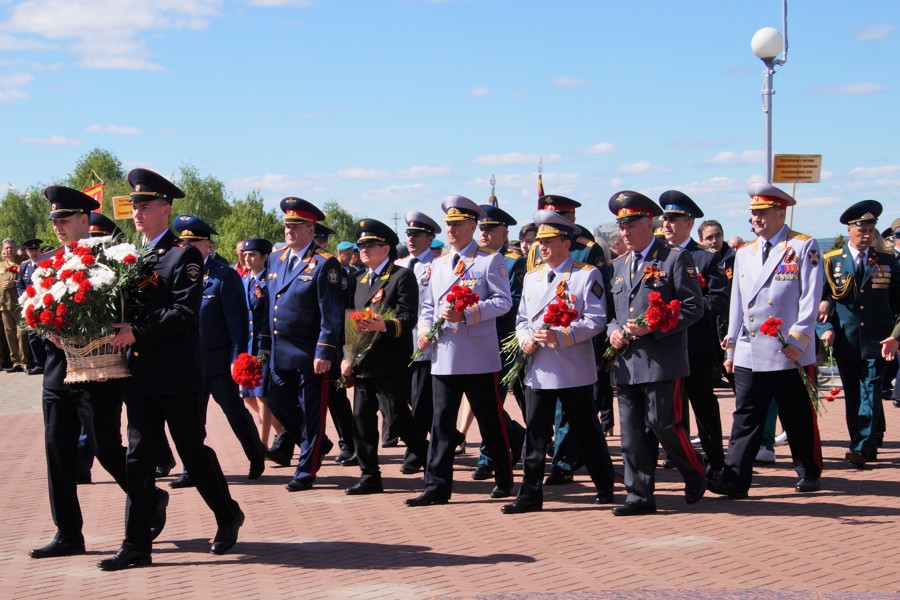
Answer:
(192, 316)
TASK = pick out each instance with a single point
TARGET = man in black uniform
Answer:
(96, 405)
(163, 335)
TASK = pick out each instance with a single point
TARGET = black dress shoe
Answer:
(325, 448)
(521, 505)
(426, 499)
(896, 403)
(83, 480)
(805, 486)
(694, 493)
(164, 470)
(856, 458)
(343, 455)
(410, 469)
(723, 488)
(299, 485)
(184, 481)
(226, 535)
(57, 547)
(482, 472)
(257, 467)
(35, 371)
(363, 488)
(162, 501)
(279, 457)
(604, 497)
(353, 461)
(629, 509)
(15, 369)
(558, 478)
(390, 443)
(501, 491)
(125, 558)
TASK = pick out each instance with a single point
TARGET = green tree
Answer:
(838, 242)
(204, 196)
(95, 166)
(343, 223)
(23, 215)
(247, 218)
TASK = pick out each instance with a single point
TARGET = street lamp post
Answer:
(767, 44)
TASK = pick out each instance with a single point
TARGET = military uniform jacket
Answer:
(787, 287)
(725, 260)
(863, 313)
(223, 329)
(471, 346)
(26, 271)
(396, 289)
(703, 337)
(422, 271)
(572, 363)
(165, 319)
(306, 309)
(657, 356)
(256, 293)
(515, 266)
(9, 297)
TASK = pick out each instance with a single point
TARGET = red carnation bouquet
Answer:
(247, 370)
(560, 313)
(658, 316)
(460, 297)
(358, 340)
(772, 328)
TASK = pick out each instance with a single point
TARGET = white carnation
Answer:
(101, 277)
(58, 290)
(120, 251)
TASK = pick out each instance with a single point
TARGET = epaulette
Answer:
(512, 255)
(282, 251)
(486, 250)
(585, 241)
(620, 257)
(797, 235)
(888, 254)
(538, 267)
(833, 253)
(324, 253)
(583, 266)
(747, 244)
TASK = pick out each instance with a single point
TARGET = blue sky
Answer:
(387, 105)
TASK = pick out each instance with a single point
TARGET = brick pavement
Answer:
(839, 543)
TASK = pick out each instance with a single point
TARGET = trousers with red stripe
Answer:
(650, 416)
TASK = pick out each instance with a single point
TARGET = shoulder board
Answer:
(585, 241)
(281, 251)
(486, 250)
(885, 254)
(538, 267)
(512, 255)
(620, 257)
(833, 253)
(745, 244)
(797, 235)
(324, 253)
(583, 266)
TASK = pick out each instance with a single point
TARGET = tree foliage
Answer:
(838, 242)
(95, 166)
(248, 218)
(341, 221)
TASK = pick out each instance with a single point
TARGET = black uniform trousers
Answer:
(391, 396)
(585, 433)
(650, 415)
(99, 407)
(299, 400)
(227, 395)
(341, 412)
(481, 391)
(422, 405)
(147, 415)
(698, 387)
(754, 392)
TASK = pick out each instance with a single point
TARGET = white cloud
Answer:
(105, 34)
(712, 143)
(113, 129)
(850, 89)
(271, 181)
(397, 194)
(278, 3)
(873, 32)
(361, 173)
(480, 92)
(879, 171)
(11, 86)
(601, 148)
(422, 171)
(53, 140)
(803, 202)
(642, 167)
(616, 182)
(568, 82)
(744, 157)
(515, 158)
(413, 172)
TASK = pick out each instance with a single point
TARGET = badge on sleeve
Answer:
(193, 271)
(503, 271)
(813, 257)
(333, 276)
(597, 290)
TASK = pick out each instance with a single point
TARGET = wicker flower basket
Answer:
(96, 361)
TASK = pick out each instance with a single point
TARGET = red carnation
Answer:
(45, 264)
(59, 324)
(48, 283)
(88, 259)
(46, 317)
(79, 276)
(129, 259)
(771, 327)
(85, 286)
(47, 300)
(61, 310)
(65, 274)
(247, 371)
(30, 291)
(79, 297)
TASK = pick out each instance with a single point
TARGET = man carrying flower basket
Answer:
(562, 309)
(466, 361)
(656, 300)
(776, 276)
(388, 299)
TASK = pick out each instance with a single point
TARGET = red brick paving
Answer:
(838, 543)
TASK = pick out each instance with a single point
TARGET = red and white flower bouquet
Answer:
(76, 295)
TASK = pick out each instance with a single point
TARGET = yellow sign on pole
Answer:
(797, 168)
(121, 207)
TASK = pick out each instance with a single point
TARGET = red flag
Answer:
(95, 192)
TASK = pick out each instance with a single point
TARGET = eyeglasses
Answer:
(369, 246)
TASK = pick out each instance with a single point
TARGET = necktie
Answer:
(454, 260)
(373, 277)
(293, 262)
(551, 276)
(860, 266)
(412, 263)
(766, 248)
(638, 257)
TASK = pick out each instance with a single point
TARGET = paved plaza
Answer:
(842, 542)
